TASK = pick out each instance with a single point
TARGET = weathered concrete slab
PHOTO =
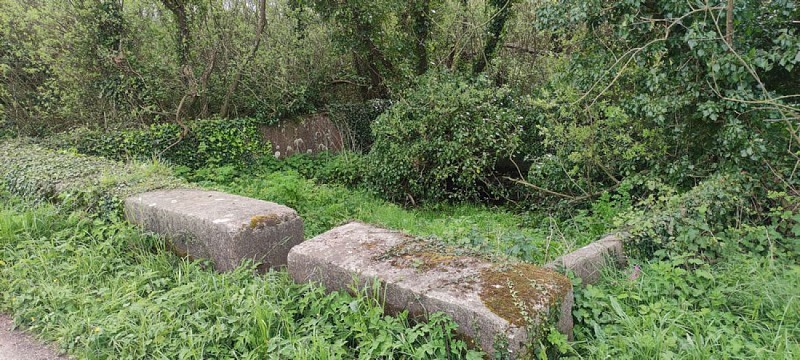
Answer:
(588, 262)
(490, 302)
(221, 227)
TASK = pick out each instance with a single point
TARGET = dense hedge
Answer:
(34, 172)
(446, 140)
(208, 143)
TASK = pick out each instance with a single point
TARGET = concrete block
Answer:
(588, 262)
(217, 226)
(503, 305)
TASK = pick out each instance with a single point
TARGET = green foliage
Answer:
(743, 307)
(101, 64)
(667, 67)
(209, 143)
(712, 221)
(694, 222)
(99, 185)
(105, 290)
(345, 168)
(356, 121)
(584, 152)
(443, 141)
(535, 237)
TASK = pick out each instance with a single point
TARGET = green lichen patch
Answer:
(425, 254)
(262, 221)
(519, 292)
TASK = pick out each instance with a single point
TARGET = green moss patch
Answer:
(517, 292)
(261, 221)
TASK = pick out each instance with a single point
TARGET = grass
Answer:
(104, 290)
(745, 307)
(532, 237)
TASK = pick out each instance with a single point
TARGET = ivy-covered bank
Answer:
(202, 143)
(38, 173)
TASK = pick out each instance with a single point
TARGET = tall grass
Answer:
(746, 307)
(104, 290)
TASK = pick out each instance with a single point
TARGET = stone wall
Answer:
(308, 134)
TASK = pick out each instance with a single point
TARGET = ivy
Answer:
(210, 143)
(443, 141)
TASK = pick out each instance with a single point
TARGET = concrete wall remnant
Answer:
(224, 228)
(489, 301)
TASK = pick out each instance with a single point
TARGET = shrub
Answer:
(443, 141)
(703, 223)
(209, 143)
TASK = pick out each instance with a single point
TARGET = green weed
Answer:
(744, 307)
(104, 290)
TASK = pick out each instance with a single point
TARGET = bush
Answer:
(345, 168)
(209, 143)
(713, 220)
(443, 141)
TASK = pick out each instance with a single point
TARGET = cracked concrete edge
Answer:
(22, 345)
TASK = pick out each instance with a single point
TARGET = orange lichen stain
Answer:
(519, 292)
(370, 245)
(260, 221)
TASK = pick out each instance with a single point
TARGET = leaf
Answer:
(617, 308)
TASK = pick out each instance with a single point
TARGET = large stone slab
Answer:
(588, 262)
(495, 305)
(224, 228)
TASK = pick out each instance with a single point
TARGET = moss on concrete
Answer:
(428, 254)
(261, 221)
(519, 292)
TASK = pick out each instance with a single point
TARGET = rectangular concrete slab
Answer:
(223, 228)
(588, 262)
(494, 304)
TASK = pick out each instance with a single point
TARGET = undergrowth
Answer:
(104, 290)
(535, 237)
(745, 307)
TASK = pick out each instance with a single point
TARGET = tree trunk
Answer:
(262, 23)
(496, 30)
(729, 25)
(421, 14)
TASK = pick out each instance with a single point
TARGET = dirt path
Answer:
(19, 345)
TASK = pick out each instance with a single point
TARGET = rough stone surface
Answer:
(588, 262)
(308, 134)
(424, 282)
(224, 228)
(18, 345)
